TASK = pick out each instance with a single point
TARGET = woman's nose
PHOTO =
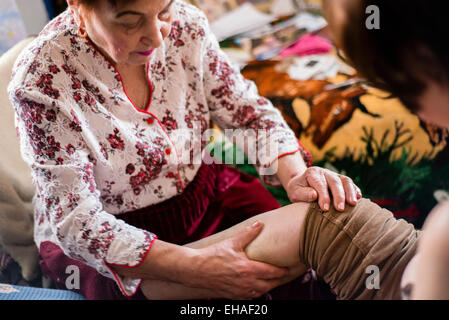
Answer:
(153, 36)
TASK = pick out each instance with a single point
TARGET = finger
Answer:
(261, 287)
(267, 271)
(338, 192)
(298, 269)
(318, 182)
(350, 190)
(267, 285)
(244, 238)
(305, 194)
(359, 193)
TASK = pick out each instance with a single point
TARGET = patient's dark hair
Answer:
(410, 46)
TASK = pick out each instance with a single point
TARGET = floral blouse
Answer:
(94, 155)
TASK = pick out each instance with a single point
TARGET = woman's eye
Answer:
(165, 15)
(130, 25)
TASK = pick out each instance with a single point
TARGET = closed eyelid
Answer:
(132, 22)
(124, 13)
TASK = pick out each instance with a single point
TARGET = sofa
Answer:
(16, 188)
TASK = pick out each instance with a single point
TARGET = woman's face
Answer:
(128, 32)
(433, 103)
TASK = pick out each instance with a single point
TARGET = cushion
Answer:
(11, 292)
(16, 188)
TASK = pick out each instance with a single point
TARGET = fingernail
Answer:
(326, 206)
(311, 194)
(341, 206)
(256, 224)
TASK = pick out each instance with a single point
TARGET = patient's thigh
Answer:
(278, 243)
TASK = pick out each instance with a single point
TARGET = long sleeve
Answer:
(67, 198)
(235, 104)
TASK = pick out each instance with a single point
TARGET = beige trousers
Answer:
(346, 249)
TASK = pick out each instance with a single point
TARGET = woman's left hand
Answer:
(316, 182)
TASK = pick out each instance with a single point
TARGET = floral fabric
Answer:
(94, 155)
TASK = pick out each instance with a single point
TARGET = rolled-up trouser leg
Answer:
(340, 246)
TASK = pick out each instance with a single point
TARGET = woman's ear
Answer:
(75, 10)
(73, 4)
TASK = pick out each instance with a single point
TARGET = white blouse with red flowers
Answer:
(95, 155)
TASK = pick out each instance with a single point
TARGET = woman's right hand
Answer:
(225, 269)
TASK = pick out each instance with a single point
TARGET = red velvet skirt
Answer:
(219, 197)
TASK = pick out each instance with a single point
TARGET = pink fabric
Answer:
(307, 45)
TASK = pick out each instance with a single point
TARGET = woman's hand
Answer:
(225, 269)
(316, 182)
(310, 184)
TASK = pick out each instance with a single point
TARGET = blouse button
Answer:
(168, 151)
(150, 121)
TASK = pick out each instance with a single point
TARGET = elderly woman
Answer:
(100, 98)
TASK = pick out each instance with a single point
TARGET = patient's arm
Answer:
(277, 244)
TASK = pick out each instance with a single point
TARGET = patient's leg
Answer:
(277, 244)
(342, 247)
(339, 246)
